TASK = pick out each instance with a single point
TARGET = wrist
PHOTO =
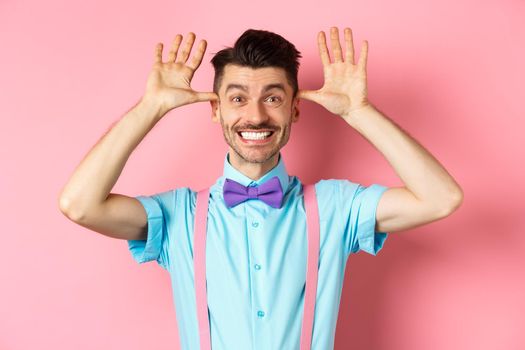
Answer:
(358, 112)
(151, 108)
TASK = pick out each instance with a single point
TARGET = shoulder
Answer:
(336, 187)
(185, 196)
(174, 198)
(328, 192)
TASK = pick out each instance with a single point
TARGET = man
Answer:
(256, 252)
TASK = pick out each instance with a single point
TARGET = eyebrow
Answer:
(245, 88)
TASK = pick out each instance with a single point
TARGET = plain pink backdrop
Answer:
(450, 73)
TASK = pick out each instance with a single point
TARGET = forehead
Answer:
(255, 79)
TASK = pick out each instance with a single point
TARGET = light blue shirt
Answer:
(256, 258)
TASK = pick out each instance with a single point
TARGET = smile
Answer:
(255, 137)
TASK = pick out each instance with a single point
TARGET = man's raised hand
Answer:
(344, 90)
(168, 84)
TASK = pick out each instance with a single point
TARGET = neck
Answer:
(252, 170)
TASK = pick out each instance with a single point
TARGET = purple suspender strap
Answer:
(199, 261)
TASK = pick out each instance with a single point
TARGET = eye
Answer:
(275, 98)
(236, 99)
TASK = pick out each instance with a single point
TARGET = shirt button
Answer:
(257, 266)
(260, 313)
(255, 224)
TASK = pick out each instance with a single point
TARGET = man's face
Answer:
(255, 100)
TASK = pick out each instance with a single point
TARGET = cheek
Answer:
(283, 113)
(232, 115)
(228, 120)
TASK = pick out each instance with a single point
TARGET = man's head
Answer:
(256, 81)
(259, 49)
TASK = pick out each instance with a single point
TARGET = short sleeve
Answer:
(359, 205)
(155, 247)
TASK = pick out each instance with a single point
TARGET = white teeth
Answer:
(255, 135)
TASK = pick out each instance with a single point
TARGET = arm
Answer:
(430, 192)
(86, 198)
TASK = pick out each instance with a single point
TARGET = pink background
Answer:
(449, 72)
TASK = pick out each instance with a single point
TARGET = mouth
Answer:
(256, 137)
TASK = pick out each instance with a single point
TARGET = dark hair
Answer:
(258, 49)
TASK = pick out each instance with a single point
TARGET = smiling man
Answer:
(256, 116)
(256, 82)
(237, 251)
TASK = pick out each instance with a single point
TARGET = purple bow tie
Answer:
(269, 192)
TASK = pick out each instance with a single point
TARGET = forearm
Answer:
(421, 173)
(98, 172)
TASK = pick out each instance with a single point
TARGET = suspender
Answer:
(199, 261)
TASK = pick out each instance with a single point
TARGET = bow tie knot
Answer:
(253, 192)
(269, 192)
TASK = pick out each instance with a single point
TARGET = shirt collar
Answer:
(279, 170)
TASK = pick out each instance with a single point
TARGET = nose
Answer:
(256, 113)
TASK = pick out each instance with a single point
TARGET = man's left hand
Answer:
(344, 90)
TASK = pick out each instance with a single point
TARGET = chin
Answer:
(255, 155)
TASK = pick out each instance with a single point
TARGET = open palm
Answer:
(344, 90)
(169, 82)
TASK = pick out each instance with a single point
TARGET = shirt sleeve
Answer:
(359, 204)
(155, 247)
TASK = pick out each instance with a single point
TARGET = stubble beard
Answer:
(255, 154)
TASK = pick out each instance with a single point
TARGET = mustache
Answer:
(255, 128)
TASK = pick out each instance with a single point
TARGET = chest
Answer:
(256, 261)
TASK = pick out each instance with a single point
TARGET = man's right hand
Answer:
(168, 84)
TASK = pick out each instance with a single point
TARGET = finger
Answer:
(336, 45)
(307, 95)
(197, 57)
(158, 53)
(174, 48)
(349, 57)
(187, 48)
(206, 96)
(363, 55)
(323, 50)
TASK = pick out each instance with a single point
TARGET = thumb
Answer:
(206, 96)
(311, 95)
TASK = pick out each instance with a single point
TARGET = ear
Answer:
(295, 110)
(215, 112)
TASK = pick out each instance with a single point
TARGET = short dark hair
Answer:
(258, 49)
